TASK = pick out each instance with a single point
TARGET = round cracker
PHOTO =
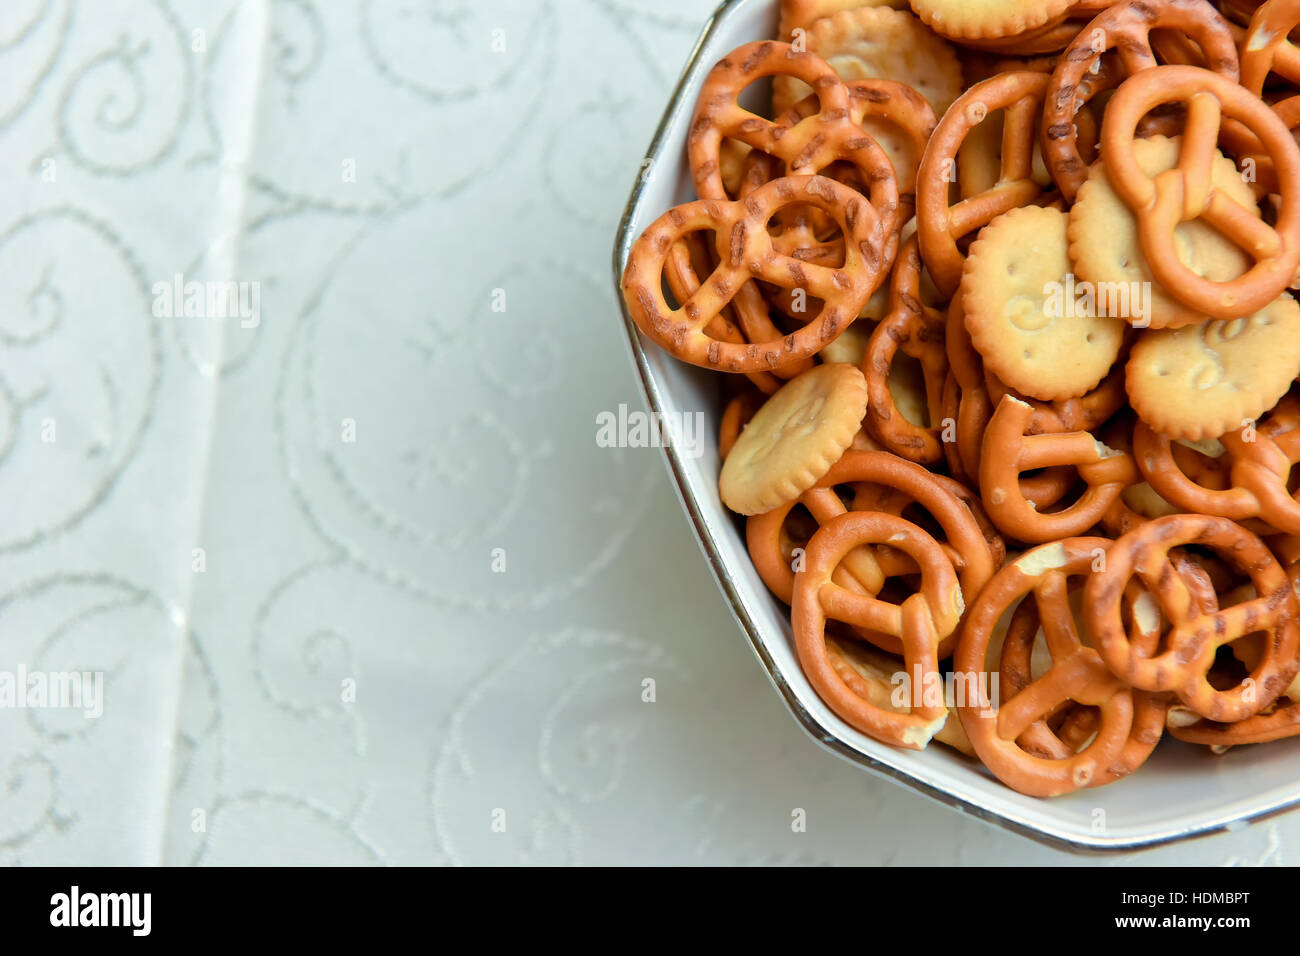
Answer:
(1200, 381)
(868, 43)
(793, 440)
(987, 19)
(1022, 315)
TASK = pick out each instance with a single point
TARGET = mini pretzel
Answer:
(1277, 723)
(1079, 724)
(939, 226)
(895, 104)
(1070, 414)
(1189, 649)
(918, 330)
(872, 101)
(874, 676)
(745, 252)
(920, 622)
(686, 260)
(1260, 465)
(806, 147)
(1077, 674)
(1008, 451)
(1186, 192)
(1267, 45)
(969, 547)
(1126, 29)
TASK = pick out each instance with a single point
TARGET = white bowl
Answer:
(1182, 791)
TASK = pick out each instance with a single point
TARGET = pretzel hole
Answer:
(907, 388)
(1228, 671)
(757, 96)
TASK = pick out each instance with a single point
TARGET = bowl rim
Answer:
(678, 103)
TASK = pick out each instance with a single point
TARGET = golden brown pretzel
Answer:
(918, 330)
(939, 226)
(1077, 674)
(687, 258)
(969, 547)
(1267, 45)
(745, 252)
(1276, 723)
(1187, 192)
(1259, 459)
(1079, 723)
(1125, 28)
(920, 622)
(1008, 451)
(898, 105)
(1068, 414)
(807, 147)
(1188, 650)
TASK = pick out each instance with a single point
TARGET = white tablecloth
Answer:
(362, 586)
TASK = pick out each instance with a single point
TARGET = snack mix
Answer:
(1002, 289)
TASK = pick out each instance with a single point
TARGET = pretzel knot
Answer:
(1196, 633)
(918, 330)
(1126, 29)
(1187, 192)
(970, 549)
(806, 145)
(745, 252)
(1008, 451)
(939, 227)
(1262, 463)
(923, 620)
(1259, 462)
(1012, 739)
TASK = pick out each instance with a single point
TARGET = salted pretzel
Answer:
(1179, 476)
(1267, 46)
(920, 623)
(745, 252)
(940, 226)
(1125, 28)
(1008, 451)
(1084, 413)
(1276, 723)
(1259, 461)
(969, 547)
(1077, 674)
(829, 135)
(918, 331)
(687, 258)
(896, 104)
(1262, 459)
(1187, 652)
(1186, 192)
(1078, 724)
(806, 148)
